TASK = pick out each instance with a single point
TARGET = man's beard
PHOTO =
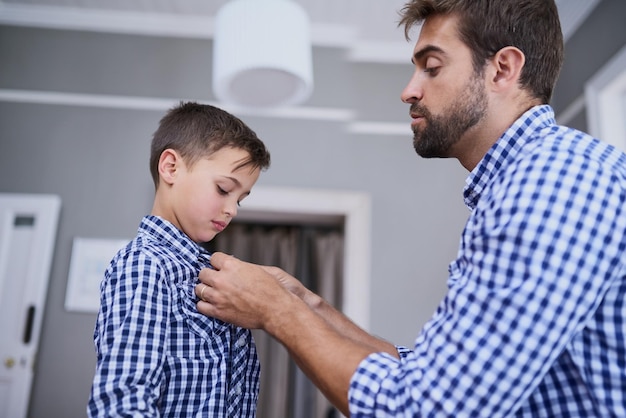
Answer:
(443, 131)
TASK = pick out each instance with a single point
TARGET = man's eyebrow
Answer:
(424, 51)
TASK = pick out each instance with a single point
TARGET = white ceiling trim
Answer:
(380, 128)
(382, 52)
(340, 115)
(188, 26)
(162, 104)
(359, 49)
(127, 22)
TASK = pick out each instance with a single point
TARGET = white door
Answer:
(28, 225)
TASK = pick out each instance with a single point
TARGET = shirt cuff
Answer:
(367, 380)
(403, 352)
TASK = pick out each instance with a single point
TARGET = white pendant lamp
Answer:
(262, 55)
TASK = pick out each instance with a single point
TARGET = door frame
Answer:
(605, 96)
(313, 205)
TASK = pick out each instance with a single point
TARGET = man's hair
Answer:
(486, 26)
(196, 131)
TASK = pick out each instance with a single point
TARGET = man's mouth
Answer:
(416, 118)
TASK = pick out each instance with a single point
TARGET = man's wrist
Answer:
(281, 317)
(313, 300)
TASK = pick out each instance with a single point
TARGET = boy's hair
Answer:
(486, 26)
(196, 131)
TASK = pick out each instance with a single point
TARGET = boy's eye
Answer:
(222, 191)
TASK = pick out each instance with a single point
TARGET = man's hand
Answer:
(324, 343)
(289, 282)
(242, 293)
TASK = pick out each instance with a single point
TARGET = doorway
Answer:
(323, 238)
(313, 253)
(28, 225)
(268, 204)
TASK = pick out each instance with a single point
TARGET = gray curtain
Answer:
(313, 254)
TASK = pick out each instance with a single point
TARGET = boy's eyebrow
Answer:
(234, 180)
(424, 51)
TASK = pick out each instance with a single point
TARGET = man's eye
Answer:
(431, 70)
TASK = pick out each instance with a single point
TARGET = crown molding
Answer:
(339, 115)
(346, 36)
(187, 26)
(163, 104)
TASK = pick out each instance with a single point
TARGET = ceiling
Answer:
(366, 28)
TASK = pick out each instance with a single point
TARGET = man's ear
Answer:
(506, 67)
(169, 164)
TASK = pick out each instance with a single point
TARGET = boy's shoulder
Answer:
(144, 259)
(146, 248)
(157, 245)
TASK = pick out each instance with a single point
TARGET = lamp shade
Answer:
(262, 55)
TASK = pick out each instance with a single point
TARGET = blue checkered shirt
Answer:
(157, 356)
(534, 320)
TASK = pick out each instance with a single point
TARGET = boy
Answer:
(157, 356)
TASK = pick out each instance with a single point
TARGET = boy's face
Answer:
(203, 199)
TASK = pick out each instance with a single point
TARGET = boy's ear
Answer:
(506, 67)
(169, 163)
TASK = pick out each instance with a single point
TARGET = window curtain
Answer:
(313, 254)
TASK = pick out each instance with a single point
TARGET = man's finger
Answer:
(205, 277)
(218, 259)
(205, 308)
(199, 289)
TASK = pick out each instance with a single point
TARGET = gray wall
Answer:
(95, 159)
(587, 50)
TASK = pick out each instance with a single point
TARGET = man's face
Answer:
(447, 96)
(441, 131)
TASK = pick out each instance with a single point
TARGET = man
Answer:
(534, 320)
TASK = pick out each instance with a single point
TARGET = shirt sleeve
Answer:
(525, 281)
(403, 352)
(130, 339)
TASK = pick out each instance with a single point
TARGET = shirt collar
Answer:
(505, 150)
(165, 232)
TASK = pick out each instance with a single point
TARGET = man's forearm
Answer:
(345, 326)
(324, 344)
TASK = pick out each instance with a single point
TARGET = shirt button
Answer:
(238, 390)
(241, 342)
